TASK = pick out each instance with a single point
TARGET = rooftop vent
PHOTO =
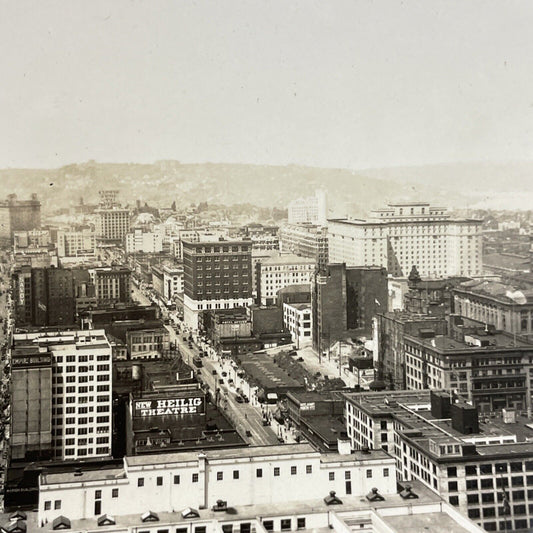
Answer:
(332, 499)
(374, 496)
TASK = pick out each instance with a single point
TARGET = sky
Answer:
(346, 84)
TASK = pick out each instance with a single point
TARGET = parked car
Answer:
(224, 374)
(239, 399)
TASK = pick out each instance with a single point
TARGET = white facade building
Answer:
(404, 235)
(81, 390)
(297, 318)
(279, 271)
(268, 475)
(172, 281)
(313, 210)
(76, 244)
(144, 241)
(113, 224)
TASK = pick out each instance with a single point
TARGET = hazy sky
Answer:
(351, 84)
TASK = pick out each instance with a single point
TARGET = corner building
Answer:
(404, 235)
(216, 275)
(80, 389)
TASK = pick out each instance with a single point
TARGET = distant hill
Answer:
(354, 192)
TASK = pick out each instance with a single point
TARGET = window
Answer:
(227, 528)
(246, 527)
(47, 505)
(309, 469)
(286, 524)
(276, 470)
(369, 473)
(268, 525)
(140, 482)
(385, 472)
(235, 474)
(195, 478)
(197, 529)
(293, 470)
(259, 472)
(159, 480)
(300, 523)
(471, 470)
(454, 500)
(471, 484)
(487, 483)
(176, 480)
(114, 493)
(472, 498)
(97, 494)
(220, 476)
(452, 471)
(332, 476)
(452, 486)
(98, 507)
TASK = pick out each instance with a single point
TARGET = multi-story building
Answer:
(112, 284)
(76, 244)
(307, 240)
(483, 466)
(389, 334)
(43, 296)
(18, 215)
(504, 306)
(278, 271)
(36, 238)
(404, 235)
(145, 342)
(31, 404)
(80, 390)
(297, 318)
(216, 275)
(113, 223)
(141, 241)
(344, 301)
(491, 369)
(168, 280)
(268, 475)
(313, 210)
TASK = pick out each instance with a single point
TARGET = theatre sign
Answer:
(189, 405)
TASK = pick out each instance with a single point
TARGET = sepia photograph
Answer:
(266, 266)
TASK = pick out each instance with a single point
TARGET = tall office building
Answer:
(344, 302)
(313, 210)
(43, 296)
(76, 244)
(279, 271)
(18, 215)
(31, 404)
(404, 235)
(307, 240)
(216, 275)
(80, 390)
(113, 224)
(112, 284)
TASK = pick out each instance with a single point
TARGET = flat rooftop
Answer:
(497, 340)
(437, 522)
(412, 409)
(350, 504)
(287, 259)
(222, 454)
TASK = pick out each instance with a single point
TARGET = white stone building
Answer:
(297, 318)
(404, 235)
(279, 271)
(81, 390)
